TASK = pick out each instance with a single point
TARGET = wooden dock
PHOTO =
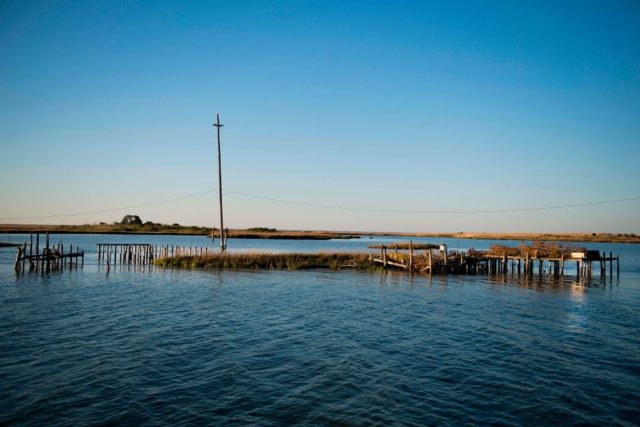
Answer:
(141, 254)
(51, 258)
(525, 261)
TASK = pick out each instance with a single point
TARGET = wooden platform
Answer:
(441, 261)
(50, 258)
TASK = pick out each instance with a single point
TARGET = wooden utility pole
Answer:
(223, 238)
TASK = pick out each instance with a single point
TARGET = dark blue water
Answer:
(166, 347)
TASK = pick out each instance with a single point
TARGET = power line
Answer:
(112, 210)
(398, 211)
(337, 207)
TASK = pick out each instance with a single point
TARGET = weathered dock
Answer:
(144, 253)
(52, 257)
(498, 260)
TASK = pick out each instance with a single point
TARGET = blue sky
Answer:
(414, 106)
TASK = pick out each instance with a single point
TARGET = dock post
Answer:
(410, 254)
(37, 251)
(618, 266)
(16, 266)
(578, 267)
(611, 264)
(430, 263)
(446, 261)
(48, 254)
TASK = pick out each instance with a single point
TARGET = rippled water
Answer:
(320, 347)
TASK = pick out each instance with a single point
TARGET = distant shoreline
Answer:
(168, 230)
(546, 237)
(310, 235)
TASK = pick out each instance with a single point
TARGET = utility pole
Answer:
(223, 238)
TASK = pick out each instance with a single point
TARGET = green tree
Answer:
(131, 220)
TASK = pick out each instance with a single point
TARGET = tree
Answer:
(131, 220)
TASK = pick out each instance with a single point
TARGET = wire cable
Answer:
(112, 210)
(336, 207)
(397, 211)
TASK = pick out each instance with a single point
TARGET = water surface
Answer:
(156, 346)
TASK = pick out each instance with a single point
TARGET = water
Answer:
(172, 346)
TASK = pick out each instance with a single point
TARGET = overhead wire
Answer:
(111, 209)
(335, 207)
(401, 211)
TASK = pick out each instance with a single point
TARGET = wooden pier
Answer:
(140, 254)
(52, 257)
(523, 260)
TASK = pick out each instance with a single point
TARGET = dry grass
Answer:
(537, 249)
(271, 261)
(405, 246)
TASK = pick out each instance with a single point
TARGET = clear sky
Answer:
(411, 106)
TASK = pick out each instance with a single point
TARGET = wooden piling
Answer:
(24, 255)
(38, 251)
(16, 266)
(410, 253)
(48, 255)
(611, 264)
